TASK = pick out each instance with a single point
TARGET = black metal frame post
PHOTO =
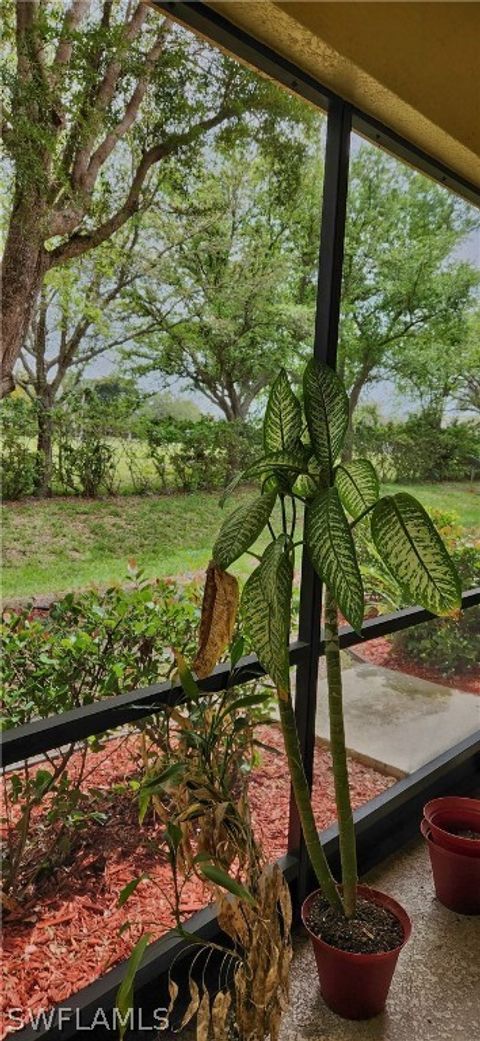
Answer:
(329, 288)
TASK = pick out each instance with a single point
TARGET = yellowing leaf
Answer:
(219, 612)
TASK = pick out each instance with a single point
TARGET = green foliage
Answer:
(241, 529)
(326, 409)
(406, 295)
(266, 608)
(93, 645)
(233, 292)
(282, 425)
(418, 449)
(332, 552)
(448, 644)
(201, 454)
(414, 553)
(339, 499)
(381, 587)
(18, 462)
(124, 997)
(357, 485)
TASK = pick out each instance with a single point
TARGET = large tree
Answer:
(439, 367)
(233, 297)
(404, 291)
(74, 323)
(85, 81)
(467, 392)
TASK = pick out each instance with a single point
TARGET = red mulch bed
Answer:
(381, 652)
(67, 933)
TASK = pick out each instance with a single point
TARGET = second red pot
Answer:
(447, 816)
(356, 986)
(456, 876)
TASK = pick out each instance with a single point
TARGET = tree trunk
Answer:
(43, 477)
(346, 828)
(353, 402)
(25, 262)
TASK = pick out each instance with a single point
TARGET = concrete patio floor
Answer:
(435, 993)
(398, 721)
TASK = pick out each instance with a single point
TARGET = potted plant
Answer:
(451, 827)
(197, 764)
(357, 932)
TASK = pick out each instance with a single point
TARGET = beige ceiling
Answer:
(414, 66)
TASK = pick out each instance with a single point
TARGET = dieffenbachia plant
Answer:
(302, 462)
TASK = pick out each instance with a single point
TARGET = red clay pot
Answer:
(356, 986)
(456, 875)
(454, 812)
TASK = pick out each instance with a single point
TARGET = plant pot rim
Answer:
(376, 896)
(451, 839)
(425, 828)
(449, 804)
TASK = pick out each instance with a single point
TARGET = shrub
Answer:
(18, 461)
(418, 449)
(93, 645)
(449, 644)
(199, 455)
(86, 459)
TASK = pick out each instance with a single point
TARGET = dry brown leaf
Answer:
(219, 612)
(220, 1010)
(173, 991)
(285, 907)
(203, 1017)
(192, 1005)
(274, 1024)
(272, 977)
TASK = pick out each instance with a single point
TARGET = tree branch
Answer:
(103, 97)
(105, 149)
(81, 243)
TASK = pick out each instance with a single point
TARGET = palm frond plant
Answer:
(302, 465)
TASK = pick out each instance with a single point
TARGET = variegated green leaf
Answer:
(266, 603)
(282, 425)
(413, 551)
(272, 563)
(241, 529)
(292, 462)
(331, 548)
(326, 409)
(305, 486)
(357, 485)
(230, 488)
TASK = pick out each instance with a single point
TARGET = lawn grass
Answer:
(462, 498)
(62, 544)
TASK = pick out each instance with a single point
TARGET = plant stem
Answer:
(348, 851)
(301, 791)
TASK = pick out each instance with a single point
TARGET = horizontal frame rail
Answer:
(383, 826)
(43, 735)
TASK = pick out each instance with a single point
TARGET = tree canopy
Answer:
(99, 97)
(232, 296)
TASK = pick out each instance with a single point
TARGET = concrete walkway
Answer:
(399, 721)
